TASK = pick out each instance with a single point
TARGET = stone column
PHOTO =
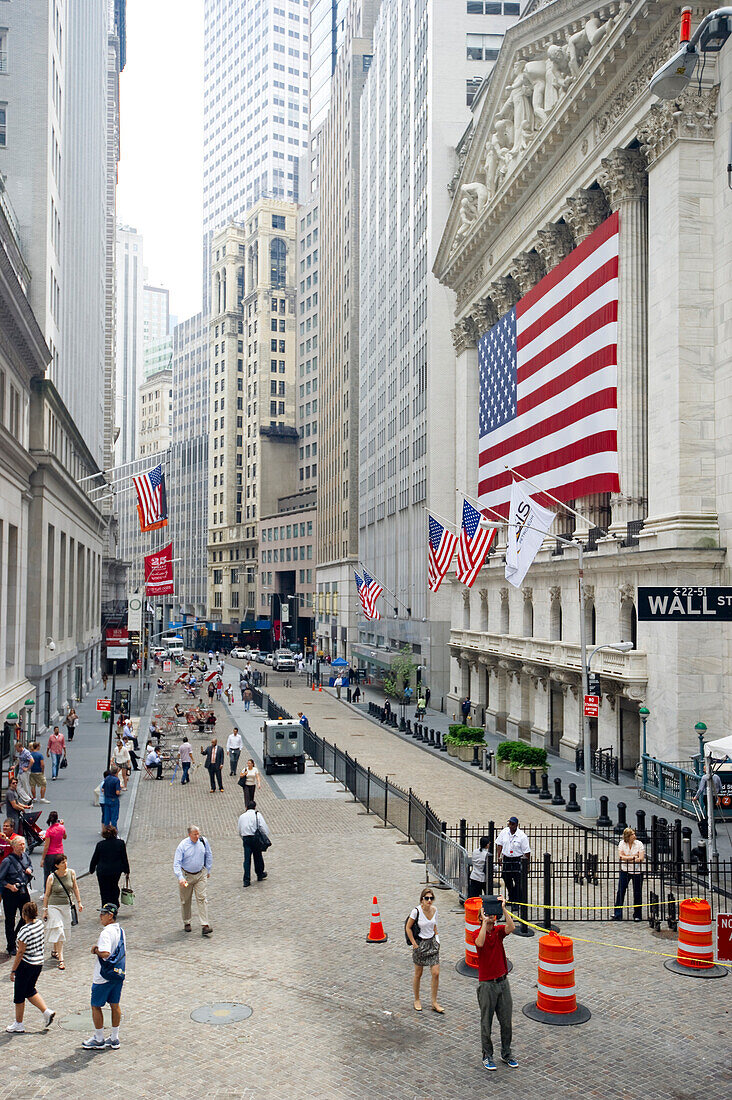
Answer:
(540, 730)
(624, 180)
(513, 717)
(584, 212)
(555, 242)
(465, 340)
(677, 138)
(608, 726)
(528, 269)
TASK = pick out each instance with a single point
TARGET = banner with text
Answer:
(159, 572)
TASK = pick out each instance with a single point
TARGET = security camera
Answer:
(51, 644)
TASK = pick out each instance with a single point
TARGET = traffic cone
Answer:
(320, 687)
(313, 685)
(376, 931)
(695, 953)
(556, 1001)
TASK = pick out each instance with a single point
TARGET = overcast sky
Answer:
(161, 109)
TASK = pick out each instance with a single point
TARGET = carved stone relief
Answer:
(464, 335)
(554, 244)
(504, 294)
(690, 116)
(484, 315)
(585, 211)
(528, 269)
(623, 176)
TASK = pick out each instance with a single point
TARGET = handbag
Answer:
(72, 907)
(127, 894)
(261, 839)
(64, 762)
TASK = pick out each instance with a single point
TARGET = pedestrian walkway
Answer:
(332, 1016)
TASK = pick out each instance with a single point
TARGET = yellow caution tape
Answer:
(599, 908)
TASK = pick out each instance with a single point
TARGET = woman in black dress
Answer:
(110, 861)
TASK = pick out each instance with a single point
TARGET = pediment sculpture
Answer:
(535, 87)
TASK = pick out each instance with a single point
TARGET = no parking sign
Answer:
(724, 937)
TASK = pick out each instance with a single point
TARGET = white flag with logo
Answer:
(528, 523)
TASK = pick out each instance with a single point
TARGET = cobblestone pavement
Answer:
(332, 1015)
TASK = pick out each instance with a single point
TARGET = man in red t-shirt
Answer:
(494, 992)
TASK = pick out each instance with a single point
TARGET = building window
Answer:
(483, 47)
(3, 125)
(278, 262)
(472, 87)
(278, 221)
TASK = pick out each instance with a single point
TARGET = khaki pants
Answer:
(196, 885)
(494, 998)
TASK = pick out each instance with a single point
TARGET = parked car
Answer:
(269, 659)
(239, 654)
(284, 662)
(254, 655)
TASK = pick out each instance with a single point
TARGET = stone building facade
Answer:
(567, 133)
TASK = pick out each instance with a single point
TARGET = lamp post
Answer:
(111, 716)
(29, 704)
(296, 624)
(589, 804)
(644, 713)
(12, 721)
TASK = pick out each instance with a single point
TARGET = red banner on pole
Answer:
(159, 572)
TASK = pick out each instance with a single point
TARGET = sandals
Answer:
(417, 1006)
(61, 965)
(438, 1008)
(54, 955)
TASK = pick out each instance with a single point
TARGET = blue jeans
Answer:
(186, 777)
(55, 763)
(110, 812)
(246, 704)
(250, 850)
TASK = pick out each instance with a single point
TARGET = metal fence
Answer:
(449, 861)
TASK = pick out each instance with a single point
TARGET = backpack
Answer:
(113, 968)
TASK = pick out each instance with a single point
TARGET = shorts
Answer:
(37, 779)
(106, 993)
(24, 985)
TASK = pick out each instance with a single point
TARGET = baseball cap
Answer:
(513, 821)
(109, 907)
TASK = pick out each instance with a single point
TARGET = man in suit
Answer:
(213, 763)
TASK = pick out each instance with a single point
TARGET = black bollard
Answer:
(475, 762)
(573, 806)
(440, 741)
(686, 845)
(622, 823)
(409, 727)
(557, 800)
(640, 828)
(544, 793)
(532, 787)
(402, 725)
(604, 821)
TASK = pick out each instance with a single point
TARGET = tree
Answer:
(402, 668)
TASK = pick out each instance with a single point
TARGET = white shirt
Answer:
(513, 844)
(478, 861)
(234, 741)
(427, 928)
(108, 940)
(249, 821)
(628, 851)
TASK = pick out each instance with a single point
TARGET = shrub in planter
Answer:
(523, 758)
(461, 739)
(504, 756)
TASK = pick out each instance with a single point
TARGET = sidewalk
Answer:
(72, 794)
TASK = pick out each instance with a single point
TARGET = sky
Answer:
(161, 124)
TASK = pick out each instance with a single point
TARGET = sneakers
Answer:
(46, 800)
(94, 1044)
(488, 1063)
(262, 876)
(510, 1061)
(15, 1028)
(207, 930)
(111, 1044)
(48, 1017)
(186, 927)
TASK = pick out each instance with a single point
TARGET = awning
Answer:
(374, 656)
(720, 750)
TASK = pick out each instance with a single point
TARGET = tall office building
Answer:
(338, 338)
(415, 98)
(255, 104)
(130, 338)
(327, 26)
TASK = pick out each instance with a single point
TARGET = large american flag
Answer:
(371, 591)
(475, 542)
(152, 502)
(442, 545)
(548, 381)
(361, 593)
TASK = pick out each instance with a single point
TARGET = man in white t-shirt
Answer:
(512, 849)
(103, 990)
(234, 745)
(476, 887)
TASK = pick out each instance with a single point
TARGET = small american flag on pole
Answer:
(548, 381)
(152, 502)
(371, 592)
(442, 545)
(475, 542)
(360, 587)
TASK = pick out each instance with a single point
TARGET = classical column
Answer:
(528, 268)
(677, 138)
(465, 340)
(624, 180)
(513, 685)
(504, 294)
(555, 242)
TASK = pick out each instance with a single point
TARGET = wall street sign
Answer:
(690, 604)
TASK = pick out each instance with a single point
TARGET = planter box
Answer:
(521, 778)
(465, 752)
(452, 750)
(503, 771)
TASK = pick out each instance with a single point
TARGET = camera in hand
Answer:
(492, 906)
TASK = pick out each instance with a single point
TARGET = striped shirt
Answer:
(32, 936)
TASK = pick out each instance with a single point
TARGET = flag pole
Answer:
(393, 594)
(448, 522)
(544, 492)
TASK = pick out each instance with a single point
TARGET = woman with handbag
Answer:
(61, 907)
(71, 721)
(121, 757)
(250, 781)
(110, 862)
(421, 933)
(53, 843)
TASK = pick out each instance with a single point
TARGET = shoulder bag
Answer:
(261, 840)
(127, 894)
(74, 914)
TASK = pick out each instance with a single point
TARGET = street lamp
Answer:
(12, 721)
(589, 804)
(30, 703)
(644, 713)
(671, 79)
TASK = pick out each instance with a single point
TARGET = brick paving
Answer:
(332, 1015)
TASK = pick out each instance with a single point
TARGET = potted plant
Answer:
(462, 739)
(525, 758)
(504, 755)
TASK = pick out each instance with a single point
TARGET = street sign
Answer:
(724, 937)
(167, 665)
(104, 705)
(593, 683)
(692, 604)
(592, 706)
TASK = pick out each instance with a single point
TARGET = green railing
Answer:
(670, 783)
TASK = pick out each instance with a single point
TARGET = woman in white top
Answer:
(121, 757)
(421, 931)
(632, 855)
(250, 781)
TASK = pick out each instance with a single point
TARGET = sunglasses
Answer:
(428, 897)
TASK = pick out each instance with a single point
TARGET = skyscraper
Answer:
(130, 338)
(255, 108)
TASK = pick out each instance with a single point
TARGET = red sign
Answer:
(167, 665)
(159, 572)
(117, 634)
(592, 706)
(104, 704)
(724, 937)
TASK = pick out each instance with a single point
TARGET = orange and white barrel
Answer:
(472, 928)
(556, 975)
(696, 946)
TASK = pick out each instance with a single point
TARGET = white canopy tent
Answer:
(719, 751)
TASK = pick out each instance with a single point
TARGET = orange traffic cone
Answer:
(376, 931)
(313, 685)
(320, 687)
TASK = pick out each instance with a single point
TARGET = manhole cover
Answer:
(224, 1012)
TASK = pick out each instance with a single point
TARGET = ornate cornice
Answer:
(469, 287)
(623, 176)
(691, 116)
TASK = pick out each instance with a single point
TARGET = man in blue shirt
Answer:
(111, 787)
(192, 865)
(38, 772)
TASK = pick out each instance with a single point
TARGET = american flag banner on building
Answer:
(441, 550)
(548, 381)
(360, 587)
(371, 592)
(152, 501)
(475, 542)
